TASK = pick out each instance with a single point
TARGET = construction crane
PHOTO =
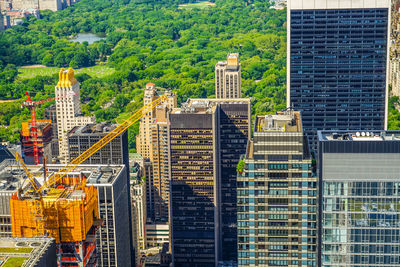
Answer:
(31, 105)
(37, 191)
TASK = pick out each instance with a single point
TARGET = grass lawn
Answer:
(95, 71)
(202, 4)
(14, 262)
(15, 250)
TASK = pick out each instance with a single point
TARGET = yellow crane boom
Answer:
(30, 177)
(101, 143)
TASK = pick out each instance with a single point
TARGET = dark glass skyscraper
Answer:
(206, 139)
(337, 64)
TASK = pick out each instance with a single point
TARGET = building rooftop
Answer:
(27, 250)
(92, 128)
(359, 135)
(206, 105)
(282, 121)
(12, 175)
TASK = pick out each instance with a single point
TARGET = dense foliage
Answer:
(174, 47)
(394, 114)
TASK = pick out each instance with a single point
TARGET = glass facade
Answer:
(338, 68)
(359, 198)
(361, 224)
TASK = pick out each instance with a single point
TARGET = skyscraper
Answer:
(68, 108)
(206, 138)
(337, 67)
(228, 81)
(277, 196)
(151, 143)
(359, 198)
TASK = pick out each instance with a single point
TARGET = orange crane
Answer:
(31, 105)
(35, 191)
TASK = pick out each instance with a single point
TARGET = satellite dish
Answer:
(362, 133)
(358, 134)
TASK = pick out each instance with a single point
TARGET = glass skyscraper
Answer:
(337, 64)
(359, 199)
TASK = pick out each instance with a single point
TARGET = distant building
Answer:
(37, 252)
(68, 108)
(50, 113)
(1, 21)
(138, 194)
(277, 196)
(337, 67)
(44, 137)
(53, 5)
(394, 76)
(206, 138)
(359, 198)
(228, 81)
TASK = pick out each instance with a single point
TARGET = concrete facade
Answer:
(228, 79)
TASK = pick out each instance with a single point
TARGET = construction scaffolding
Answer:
(69, 212)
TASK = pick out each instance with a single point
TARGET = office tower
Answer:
(206, 138)
(44, 136)
(29, 252)
(81, 138)
(68, 108)
(114, 239)
(277, 195)
(50, 113)
(359, 198)
(337, 64)
(228, 80)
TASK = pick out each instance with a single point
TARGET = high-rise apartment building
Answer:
(68, 108)
(206, 139)
(228, 81)
(337, 67)
(359, 198)
(143, 139)
(160, 178)
(151, 143)
(277, 196)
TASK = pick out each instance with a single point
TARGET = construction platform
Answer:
(65, 213)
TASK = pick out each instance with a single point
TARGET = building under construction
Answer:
(67, 212)
(44, 137)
